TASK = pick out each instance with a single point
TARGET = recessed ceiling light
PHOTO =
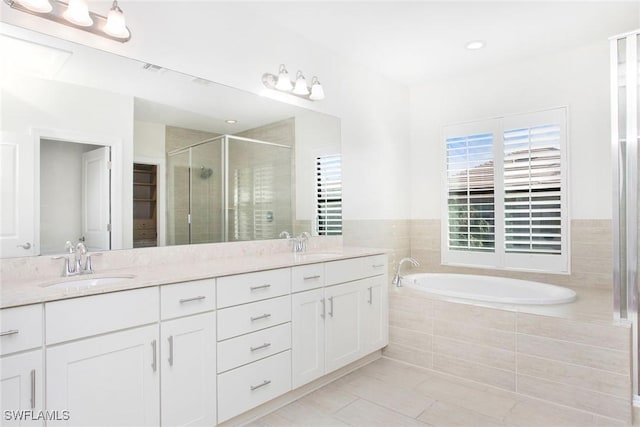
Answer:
(231, 121)
(475, 45)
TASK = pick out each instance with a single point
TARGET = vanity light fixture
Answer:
(283, 83)
(76, 14)
(231, 121)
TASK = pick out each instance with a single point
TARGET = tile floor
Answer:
(387, 393)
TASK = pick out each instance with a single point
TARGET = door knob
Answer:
(26, 246)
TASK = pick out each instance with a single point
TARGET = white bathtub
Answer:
(488, 288)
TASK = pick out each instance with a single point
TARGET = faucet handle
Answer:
(88, 266)
(285, 235)
(69, 247)
(68, 269)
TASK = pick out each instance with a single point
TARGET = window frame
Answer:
(500, 259)
(325, 226)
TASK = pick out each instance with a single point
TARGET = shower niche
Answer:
(229, 188)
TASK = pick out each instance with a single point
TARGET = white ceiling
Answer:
(411, 42)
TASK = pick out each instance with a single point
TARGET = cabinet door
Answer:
(21, 388)
(307, 336)
(189, 371)
(343, 329)
(375, 314)
(110, 380)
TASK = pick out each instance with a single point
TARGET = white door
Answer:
(110, 380)
(96, 216)
(17, 226)
(307, 336)
(21, 388)
(343, 329)
(189, 371)
(375, 314)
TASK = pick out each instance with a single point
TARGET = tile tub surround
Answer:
(591, 255)
(22, 278)
(577, 360)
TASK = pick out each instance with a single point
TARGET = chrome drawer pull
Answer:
(264, 383)
(370, 295)
(377, 265)
(260, 347)
(264, 316)
(154, 362)
(33, 389)
(201, 297)
(311, 277)
(257, 288)
(170, 350)
(331, 306)
(9, 332)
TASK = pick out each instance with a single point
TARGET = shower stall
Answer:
(229, 188)
(625, 117)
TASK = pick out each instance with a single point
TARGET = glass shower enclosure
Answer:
(625, 137)
(229, 188)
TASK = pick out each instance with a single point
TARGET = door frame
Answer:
(161, 192)
(116, 176)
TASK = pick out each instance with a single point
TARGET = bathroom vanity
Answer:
(202, 351)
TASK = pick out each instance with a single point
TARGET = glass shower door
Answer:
(255, 209)
(178, 197)
(207, 219)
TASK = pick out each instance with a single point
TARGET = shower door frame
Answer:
(625, 192)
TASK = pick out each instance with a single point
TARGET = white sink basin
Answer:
(315, 255)
(80, 284)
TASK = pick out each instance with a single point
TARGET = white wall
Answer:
(88, 115)
(226, 43)
(578, 79)
(149, 139)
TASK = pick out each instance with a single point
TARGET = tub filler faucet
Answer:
(397, 279)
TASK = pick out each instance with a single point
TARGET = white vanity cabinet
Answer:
(21, 365)
(254, 340)
(188, 354)
(108, 378)
(343, 319)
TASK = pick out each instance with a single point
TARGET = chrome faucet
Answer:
(77, 261)
(397, 279)
(300, 242)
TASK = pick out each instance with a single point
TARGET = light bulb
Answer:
(78, 13)
(283, 83)
(116, 25)
(301, 85)
(40, 6)
(317, 92)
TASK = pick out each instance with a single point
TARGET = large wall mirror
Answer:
(121, 154)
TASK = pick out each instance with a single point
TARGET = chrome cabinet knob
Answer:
(25, 246)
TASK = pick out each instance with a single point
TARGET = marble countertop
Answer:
(30, 291)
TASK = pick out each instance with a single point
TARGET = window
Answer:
(329, 195)
(505, 199)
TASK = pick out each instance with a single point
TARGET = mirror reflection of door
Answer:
(74, 195)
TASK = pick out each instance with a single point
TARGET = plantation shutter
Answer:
(533, 190)
(470, 193)
(329, 194)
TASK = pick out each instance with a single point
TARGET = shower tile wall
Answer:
(176, 137)
(206, 193)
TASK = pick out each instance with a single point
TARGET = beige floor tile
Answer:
(534, 413)
(443, 414)
(329, 399)
(396, 373)
(399, 399)
(470, 397)
(301, 414)
(366, 414)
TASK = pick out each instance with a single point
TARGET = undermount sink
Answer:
(316, 255)
(80, 284)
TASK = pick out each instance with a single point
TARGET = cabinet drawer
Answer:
(249, 386)
(144, 234)
(348, 270)
(243, 288)
(182, 299)
(252, 317)
(374, 265)
(306, 277)
(20, 328)
(82, 317)
(251, 347)
(141, 224)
